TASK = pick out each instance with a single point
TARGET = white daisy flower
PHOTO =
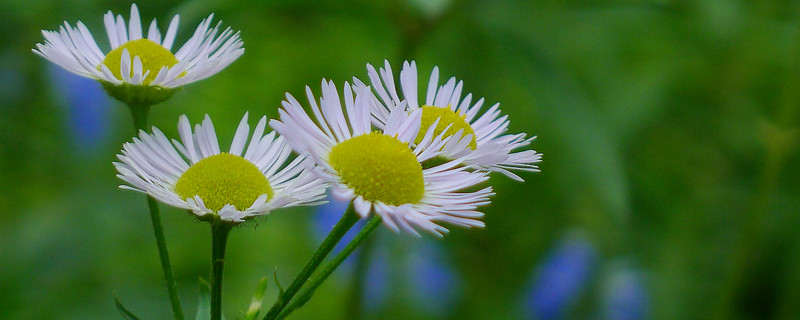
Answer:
(379, 170)
(490, 149)
(140, 70)
(234, 185)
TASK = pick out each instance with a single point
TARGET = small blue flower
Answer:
(561, 278)
(87, 106)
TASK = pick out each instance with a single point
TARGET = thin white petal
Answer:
(135, 24)
(240, 138)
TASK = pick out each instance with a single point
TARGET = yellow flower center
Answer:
(153, 55)
(224, 179)
(448, 118)
(379, 168)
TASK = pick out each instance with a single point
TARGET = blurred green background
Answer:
(669, 131)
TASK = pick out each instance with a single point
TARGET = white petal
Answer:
(153, 34)
(432, 84)
(240, 138)
(134, 24)
(408, 82)
(111, 30)
(169, 38)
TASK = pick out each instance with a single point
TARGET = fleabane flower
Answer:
(139, 70)
(490, 148)
(193, 174)
(379, 170)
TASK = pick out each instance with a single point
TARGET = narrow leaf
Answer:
(124, 311)
(280, 287)
(258, 297)
(204, 303)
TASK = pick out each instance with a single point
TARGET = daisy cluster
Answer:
(415, 163)
(377, 151)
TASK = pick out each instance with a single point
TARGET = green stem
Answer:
(345, 223)
(140, 115)
(163, 254)
(362, 235)
(219, 240)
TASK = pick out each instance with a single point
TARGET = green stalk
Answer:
(362, 235)
(140, 116)
(219, 240)
(345, 223)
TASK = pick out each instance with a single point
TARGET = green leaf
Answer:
(280, 287)
(204, 303)
(124, 311)
(258, 297)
